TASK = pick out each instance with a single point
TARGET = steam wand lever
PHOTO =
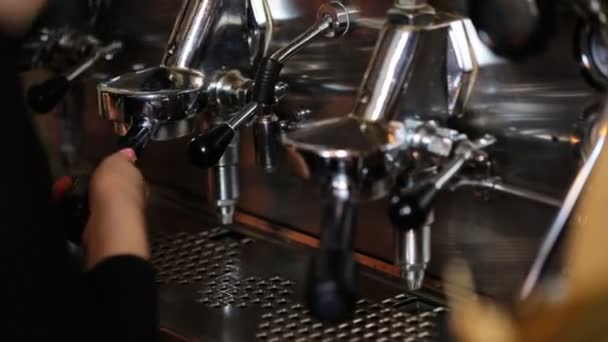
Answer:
(206, 150)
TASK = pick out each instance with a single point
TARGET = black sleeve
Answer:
(43, 295)
(121, 298)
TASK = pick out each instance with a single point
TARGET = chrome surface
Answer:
(334, 19)
(559, 224)
(417, 49)
(224, 185)
(167, 95)
(413, 253)
(229, 90)
(192, 28)
(266, 138)
(431, 138)
(348, 148)
(530, 106)
(343, 17)
(243, 116)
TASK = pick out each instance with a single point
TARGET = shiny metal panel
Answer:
(530, 106)
(218, 284)
(192, 28)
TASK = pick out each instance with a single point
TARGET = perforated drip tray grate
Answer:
(243, 293)
(267, 307)
(402, 318)
(186, 258)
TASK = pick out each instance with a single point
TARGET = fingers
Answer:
(473, 319)
(129, 153)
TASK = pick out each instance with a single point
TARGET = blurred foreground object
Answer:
(577, 314)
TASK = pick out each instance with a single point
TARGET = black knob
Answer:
(513, 28)
(42, 98)
(331, 291)
(207, 149)
(410, 210)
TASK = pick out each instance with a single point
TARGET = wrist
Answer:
(115, 232)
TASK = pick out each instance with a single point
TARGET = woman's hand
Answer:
(117, 200)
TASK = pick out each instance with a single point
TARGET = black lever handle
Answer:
(411, 209)
(331, 291)
(43, 97)
(207, 149)
(514, 28)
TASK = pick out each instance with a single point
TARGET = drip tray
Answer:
(222, 285)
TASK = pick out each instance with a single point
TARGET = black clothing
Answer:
(45, 297)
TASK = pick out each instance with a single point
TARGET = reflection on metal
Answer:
(191, 32)
(413, 253)
(399, 318)
(224, 184)
(530, 106)
(203, 257)
(168, 96)
(559, 224)
(260, 29)
(592, 53)
(417, 49)
(496, 184)
(351, 149)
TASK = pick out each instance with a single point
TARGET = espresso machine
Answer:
(315, 165)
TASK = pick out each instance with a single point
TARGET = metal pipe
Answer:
(497, 185)
(319, 28)
(413, 253)
(192, 28)
(559, 224)
(224, 183)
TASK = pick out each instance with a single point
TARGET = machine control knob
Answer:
(206, 150)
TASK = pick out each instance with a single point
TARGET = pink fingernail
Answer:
(130, 153)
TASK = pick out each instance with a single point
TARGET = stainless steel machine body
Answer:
(494, 218)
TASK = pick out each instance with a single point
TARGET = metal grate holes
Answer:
(242, 293)
(402, 318)
(185, 258)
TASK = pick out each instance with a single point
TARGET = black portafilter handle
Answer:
(138, 136)
(331, 288)
(514, 29)
(410, 209)
(43, 97)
